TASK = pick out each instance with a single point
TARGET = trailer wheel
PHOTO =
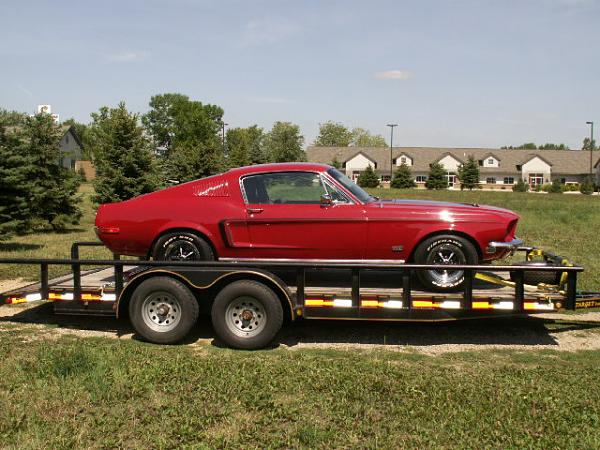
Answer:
(247, 315)
(163, 310)
(444, 249)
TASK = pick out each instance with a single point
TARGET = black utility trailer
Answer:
(249, 300)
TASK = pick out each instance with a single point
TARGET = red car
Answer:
(304, 211)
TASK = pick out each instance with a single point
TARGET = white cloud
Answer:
(127, 57)
(394, 75)
(268, 32)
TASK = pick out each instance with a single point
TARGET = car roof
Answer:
(279, 167)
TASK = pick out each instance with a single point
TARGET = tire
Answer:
(182, 246)
(534, 278)
(163, 310)
(444, 249)
(261, 310)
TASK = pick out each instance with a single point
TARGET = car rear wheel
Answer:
(182, 246)
(444, 250)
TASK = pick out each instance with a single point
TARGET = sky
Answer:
(472, 73)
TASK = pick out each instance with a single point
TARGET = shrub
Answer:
(521, 186)
(587, 187)
(556, 187)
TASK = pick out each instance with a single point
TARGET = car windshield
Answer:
(356, 190)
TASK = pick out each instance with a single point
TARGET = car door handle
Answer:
(254, 210)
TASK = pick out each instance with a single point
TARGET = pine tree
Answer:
(54, 203)
(403, 178)
(368, 178)
(15, 186)
(468, 174)
(336, 163)
(125, 165)
(556, 187)
(437, 177)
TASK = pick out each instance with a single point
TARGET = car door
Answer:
(287, 219)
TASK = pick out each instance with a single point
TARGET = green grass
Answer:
(105, 393)
(53, 245)
(566, 224)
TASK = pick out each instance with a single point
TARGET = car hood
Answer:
(437, 206)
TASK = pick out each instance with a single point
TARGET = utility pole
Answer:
(591, 145)
(223, 125)
(391, 125)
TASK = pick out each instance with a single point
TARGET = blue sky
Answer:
(450, 73)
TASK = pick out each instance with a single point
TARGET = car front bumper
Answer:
(513, 245)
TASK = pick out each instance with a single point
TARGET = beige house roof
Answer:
(568, 162)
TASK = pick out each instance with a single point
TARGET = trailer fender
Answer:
(217, 279)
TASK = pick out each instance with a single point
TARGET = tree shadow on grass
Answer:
(18, 246)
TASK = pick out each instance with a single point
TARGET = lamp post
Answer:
(391, 125)
(591, 124)
(223, 125)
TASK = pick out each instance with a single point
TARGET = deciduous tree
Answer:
(364, 138)
(244, 146)
(333, 134)
(284, 143)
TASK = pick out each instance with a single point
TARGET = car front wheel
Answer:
(444, 250)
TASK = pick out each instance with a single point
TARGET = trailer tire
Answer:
(247, 315)
(437, 249)
(163, 310)
(182, 246)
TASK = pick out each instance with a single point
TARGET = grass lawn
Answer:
(53, 245)
(105, 393)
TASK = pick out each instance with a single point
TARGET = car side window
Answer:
(283, 187)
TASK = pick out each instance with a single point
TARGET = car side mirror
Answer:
(326, 200)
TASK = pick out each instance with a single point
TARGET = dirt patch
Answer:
(559, 332)
(9, 285)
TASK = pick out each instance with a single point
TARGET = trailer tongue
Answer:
(249, 299)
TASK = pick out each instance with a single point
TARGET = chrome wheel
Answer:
(245, 316)
(182, 250)
(446, 253)
(161, 311)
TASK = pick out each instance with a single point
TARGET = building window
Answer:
(536, 179)
(403, 160)
(563, 181)
(509, 180)
(67, 138)
(490, 180)
(421, 179)
(491, 161)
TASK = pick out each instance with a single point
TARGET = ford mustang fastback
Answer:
(304, 211)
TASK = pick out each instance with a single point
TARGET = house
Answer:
(498, 168)
(70, 145)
